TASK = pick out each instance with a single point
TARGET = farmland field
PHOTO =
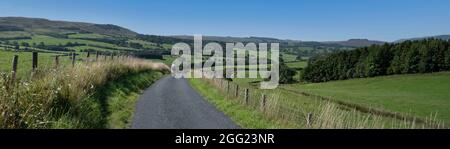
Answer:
(288, 57)
(13, 34)
(87, 36)
(420, 94)
(297, 64)
(45, 60)
(47, 40)
(55, 41)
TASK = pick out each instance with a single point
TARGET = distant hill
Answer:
(442, 37)
(358, 42)
(26, 34)
(231, 39)
(44, 26)
(349, 43)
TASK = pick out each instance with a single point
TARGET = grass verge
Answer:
(121, 97)
(243, 116)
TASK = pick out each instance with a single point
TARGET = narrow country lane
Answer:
(172, 103)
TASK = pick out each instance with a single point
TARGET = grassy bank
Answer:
(121, 97)
(67, 97)
(241, 115)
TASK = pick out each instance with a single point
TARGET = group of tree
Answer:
(430, 55)
(14, 38)
(70, 44)
(10, 28)
(286, 74)
(161, 39)
(58, 47)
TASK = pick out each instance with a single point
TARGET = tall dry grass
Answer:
(64, 97)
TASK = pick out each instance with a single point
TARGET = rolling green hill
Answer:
(22, 34)
(44, 26)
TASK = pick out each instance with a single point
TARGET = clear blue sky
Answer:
(320, 20)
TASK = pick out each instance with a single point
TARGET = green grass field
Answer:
(420, 94)
(79, 48)
(289, 57)
(87, 36)
(14, 34)
(297, 64)
(47, 40)
(56, 41)
(145, 44)
(45, 60)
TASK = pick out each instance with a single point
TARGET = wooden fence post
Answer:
(309, 119)
(56, 61)
(228, 87)
(246, 96)
(263, 102)
(236, 93)
(34, 61)
(73, 59)
(14, 68)
(88, 54)
(96, 56)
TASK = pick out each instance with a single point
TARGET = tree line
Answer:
(429, 55)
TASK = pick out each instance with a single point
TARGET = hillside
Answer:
(358, 42)
(44, 26)
(36, 34)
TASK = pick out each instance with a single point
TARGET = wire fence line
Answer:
(73, 57)
(266, 103)
(324, 114)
